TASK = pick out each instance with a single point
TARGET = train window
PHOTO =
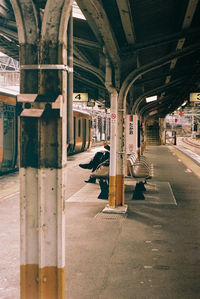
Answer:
(79, 128)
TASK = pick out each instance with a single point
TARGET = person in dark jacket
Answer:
(99, 158)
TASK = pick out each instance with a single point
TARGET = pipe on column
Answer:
(113, 134)
(70, 128)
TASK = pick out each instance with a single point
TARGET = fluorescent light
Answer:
(151, 99)
(184, 104)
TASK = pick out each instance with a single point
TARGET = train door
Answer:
(88, 133)
(78, 140)
(84, 134)
(74, 133)
(9, 132)
(1, 133)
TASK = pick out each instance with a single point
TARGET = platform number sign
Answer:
(80, 97)
(195, 97)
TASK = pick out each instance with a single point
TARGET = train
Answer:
(82, 122)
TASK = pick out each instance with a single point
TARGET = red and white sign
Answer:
(113, 117)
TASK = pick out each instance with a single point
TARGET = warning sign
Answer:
(113, 116)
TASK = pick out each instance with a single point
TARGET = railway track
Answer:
(189, 142)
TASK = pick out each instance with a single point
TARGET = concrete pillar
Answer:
(42, 139)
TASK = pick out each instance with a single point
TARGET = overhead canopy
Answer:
(158, 38)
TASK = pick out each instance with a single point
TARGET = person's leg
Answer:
(91, 180)
(95, 161)
(103, 158)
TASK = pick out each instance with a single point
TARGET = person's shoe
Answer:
(91, 180)
(86, 166)
(107, 147)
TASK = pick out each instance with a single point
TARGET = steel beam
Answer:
(135, 108)
(192, 5)
(124, 52)
(95, 15)
(126, 18)
(92, 69)
(87, 43)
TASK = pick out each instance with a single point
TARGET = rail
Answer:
(189, 142)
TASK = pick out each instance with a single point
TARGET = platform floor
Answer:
(152, 252)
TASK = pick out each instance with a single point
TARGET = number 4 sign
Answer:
(195, 97)
(80, 97)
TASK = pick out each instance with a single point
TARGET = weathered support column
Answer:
(121, 151)
(113, 148)
(113, 134)
(162, 130)
(120, 156)
(42, 190)
(70, 121)
(42, 134)
(116, 184)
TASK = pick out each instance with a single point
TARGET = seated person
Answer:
(98, 159)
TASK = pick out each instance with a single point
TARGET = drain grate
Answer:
(108, 217)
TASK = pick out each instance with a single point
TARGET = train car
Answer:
(82, 132)
(8, 132)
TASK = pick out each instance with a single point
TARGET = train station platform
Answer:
(151, 252)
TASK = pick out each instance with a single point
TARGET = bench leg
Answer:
(104, 189)
(138, 192)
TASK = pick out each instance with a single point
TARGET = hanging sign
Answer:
(80, 97)
(195, 97)
(131, 133)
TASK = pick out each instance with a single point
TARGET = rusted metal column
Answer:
(162, 130)
(70, 127)
(120, 156)
(42, 180)
(42, 135)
